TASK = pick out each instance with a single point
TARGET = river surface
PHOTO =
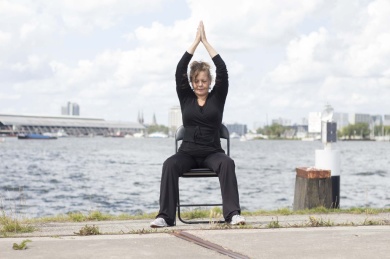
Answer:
(117, 175)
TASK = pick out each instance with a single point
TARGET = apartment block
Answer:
(72, 109)
(359, 118)
(240, 129)
(174, 118)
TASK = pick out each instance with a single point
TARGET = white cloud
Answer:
(344, 68)
(252, 23)
(4, 38)
(285, 58)
(10, 10)
(86, 15)
(304, 59)
(9, 96)
(33, 62)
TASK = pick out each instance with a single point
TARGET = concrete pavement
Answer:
(295, 236)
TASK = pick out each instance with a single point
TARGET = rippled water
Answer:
(116, 176)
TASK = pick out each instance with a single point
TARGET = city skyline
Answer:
(174, 118)
(72, 109)
(115, 58)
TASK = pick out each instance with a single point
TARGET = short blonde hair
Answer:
(198, 66)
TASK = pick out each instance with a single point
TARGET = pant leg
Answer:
(173, 167)
(224, 166)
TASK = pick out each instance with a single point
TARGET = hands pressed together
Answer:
(201, 37)
(200, 34)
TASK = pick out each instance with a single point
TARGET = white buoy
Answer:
(329, 158)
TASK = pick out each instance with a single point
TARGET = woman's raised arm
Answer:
(212, 52)
(195, 44)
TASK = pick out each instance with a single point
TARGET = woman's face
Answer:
(201, 84)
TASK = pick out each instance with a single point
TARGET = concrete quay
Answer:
(293, 236)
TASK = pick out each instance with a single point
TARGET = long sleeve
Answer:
(183, 87)
(222, 79)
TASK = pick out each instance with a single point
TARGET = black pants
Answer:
(180, 163)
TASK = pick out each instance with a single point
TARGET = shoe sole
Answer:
(155, 226)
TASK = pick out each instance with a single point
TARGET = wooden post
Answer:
(313, 188)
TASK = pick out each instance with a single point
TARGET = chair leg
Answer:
(196, 221)
(193, 205)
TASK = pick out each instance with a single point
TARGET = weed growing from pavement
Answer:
(150, 231)
(274, 224)
(228, 226)
(314, 222)
(21, 246)
(368, 222)
(143, 231)
(88, 231)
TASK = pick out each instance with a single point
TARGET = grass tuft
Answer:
(215, 213)
(143, 231)
(93, 216)
(88, 231)
(274, 224)
(76, 216)
(21, 246)
(314, 222)
(369, 222)
(195, 214)
(14, 225)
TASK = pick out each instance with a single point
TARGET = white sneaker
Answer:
(237, 220)
(158, 223)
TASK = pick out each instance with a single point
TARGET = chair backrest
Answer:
(223, 133)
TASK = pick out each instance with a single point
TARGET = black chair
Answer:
(197, 173)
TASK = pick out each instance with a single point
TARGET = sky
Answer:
(117, 58)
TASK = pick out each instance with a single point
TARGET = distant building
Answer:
(174, 119)
(377, 120)
(296, 131)
(154, 122)
(240, 129)
(341, 119)
(314, 122)
(64, 110)
(140, 118)
(301, 131)
(75, 109)
(386, 120)
(359, 118)
(71, 109)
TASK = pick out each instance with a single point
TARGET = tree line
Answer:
(352, 131)
(278, 131)
(362, 130)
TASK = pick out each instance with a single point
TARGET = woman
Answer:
(202, 112)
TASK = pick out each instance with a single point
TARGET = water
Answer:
(114, 175)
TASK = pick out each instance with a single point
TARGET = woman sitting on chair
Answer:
(202, 112)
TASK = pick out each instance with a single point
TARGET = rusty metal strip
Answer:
(194, 239)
